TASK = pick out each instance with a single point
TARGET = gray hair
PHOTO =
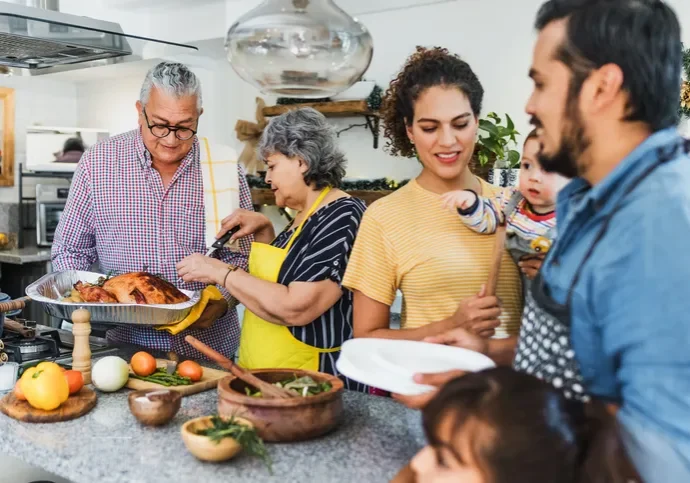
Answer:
(305, 133)
(174, 79)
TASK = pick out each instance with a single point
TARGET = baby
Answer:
(529, 210)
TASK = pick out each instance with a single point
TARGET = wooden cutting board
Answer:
(77, 405)
(209, 380)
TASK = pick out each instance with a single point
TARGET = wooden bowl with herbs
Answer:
(216, 439)
(316, 409)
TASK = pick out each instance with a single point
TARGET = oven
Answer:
(50, 203)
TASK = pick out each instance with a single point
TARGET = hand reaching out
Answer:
(461, 199)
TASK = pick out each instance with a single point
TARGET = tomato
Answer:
(75, 381)
(18, 393)
(191, 370)
(143, 364)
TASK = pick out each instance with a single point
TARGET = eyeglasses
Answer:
(162, 130)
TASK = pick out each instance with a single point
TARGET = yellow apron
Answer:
(264, 344)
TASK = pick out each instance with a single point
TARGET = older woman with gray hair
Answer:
(297, 314)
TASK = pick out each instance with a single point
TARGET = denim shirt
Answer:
(631, 305)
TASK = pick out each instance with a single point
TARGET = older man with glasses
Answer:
(137, 203)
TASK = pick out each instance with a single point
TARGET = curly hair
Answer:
(423, 69)
(306, 134)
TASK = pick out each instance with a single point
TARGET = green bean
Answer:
(165, 379)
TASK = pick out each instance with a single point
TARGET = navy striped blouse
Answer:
(321, 252)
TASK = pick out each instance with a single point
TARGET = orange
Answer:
(191, 370)
(143, 364)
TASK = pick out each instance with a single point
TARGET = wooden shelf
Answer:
(328, 109)
(335, 109)
(263, 196)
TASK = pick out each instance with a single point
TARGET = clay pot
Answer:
(283, 420)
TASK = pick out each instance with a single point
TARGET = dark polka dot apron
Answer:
(544, 347)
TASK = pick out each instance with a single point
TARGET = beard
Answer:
(567, 160)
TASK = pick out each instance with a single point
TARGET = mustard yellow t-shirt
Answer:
(408, 241)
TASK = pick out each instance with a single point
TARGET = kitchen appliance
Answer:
(3, 298)
(45, 146)
(37, 38)
(299, 48)
(50, 203)
(46, 344)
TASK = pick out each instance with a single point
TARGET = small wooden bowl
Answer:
(202, 447)
(154, 407)
(284, 420)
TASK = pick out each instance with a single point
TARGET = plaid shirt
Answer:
(120, 215)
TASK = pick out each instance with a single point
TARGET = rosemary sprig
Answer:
(102, 280)
(244, 435)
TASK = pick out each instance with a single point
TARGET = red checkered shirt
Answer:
(120, 215)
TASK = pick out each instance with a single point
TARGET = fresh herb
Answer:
(102, 280)
(162, 377)
(244, 435)
(304, 386)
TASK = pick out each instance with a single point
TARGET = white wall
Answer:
(110, 104)
(497, 46)
(495, 36)
(38, 101)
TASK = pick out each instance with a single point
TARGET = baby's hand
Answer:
(462, 199)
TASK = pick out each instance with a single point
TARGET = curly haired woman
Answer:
(408, 241)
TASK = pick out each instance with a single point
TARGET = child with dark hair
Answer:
(504, 426)
(529, 211)
(498, 426)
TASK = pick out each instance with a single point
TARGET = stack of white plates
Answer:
(390, 365)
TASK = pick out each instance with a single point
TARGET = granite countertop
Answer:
(19, 256)
(377, 438)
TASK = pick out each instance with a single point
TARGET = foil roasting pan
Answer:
(51, 288)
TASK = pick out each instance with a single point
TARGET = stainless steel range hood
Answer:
(37, 39)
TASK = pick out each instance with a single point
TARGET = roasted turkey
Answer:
(136, 287)
(94, 293)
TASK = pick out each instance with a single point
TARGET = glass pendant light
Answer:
(299, 48)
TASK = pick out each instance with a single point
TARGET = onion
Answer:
(110, 373)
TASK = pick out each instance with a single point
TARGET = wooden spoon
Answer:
(267, 389)
(14, 326)
(16, 304)
(499, 246)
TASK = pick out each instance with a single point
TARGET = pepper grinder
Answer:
(81, 355)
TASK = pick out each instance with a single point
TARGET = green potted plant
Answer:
(496, 160)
